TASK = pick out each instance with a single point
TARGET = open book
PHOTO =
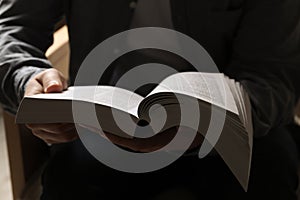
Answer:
(161, 110)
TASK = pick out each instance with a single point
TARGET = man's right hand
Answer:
(49, 81)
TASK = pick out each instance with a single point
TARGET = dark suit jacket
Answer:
(254, 41)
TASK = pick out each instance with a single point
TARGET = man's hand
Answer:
(50, 81)
(47, 81)
(154, 143)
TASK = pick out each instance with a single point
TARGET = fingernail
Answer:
(53, 83)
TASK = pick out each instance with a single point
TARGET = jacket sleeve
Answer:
(266, 60)
(26, 28)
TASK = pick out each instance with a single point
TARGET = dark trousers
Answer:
(72, 173)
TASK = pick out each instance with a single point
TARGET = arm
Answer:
(266, 60)
(26, 28)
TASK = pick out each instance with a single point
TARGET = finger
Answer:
(40, 126)
(50, 142)
(132, 144)
(52, 81)
(57, 128)
(61, 138)
(93, 129)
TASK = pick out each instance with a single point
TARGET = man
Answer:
(254, 41)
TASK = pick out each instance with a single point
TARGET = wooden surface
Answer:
(5, 180)
(59, 53)
(14, 148)
(26, 155)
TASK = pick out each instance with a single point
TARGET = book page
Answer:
(209, 87)
(114, 97)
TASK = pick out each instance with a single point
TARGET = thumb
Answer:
(53, 86)
(53, 81)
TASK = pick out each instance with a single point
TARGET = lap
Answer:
(73, 173)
